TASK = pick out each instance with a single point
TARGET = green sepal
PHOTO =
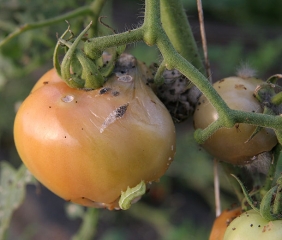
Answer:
(274, 78)
(56, 62)
(85, 73)
(130, 194)
(107, 69)
(246, 194)
(265, 205)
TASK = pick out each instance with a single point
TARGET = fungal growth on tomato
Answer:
(93, 145)
(177, 93)
(238, 145)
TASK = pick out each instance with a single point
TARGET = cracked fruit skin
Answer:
(228, 144)
(88, 146)
(251, 226)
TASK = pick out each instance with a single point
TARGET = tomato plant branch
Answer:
(256, 119)
(93, 10)
(94, 47)
(177, 27)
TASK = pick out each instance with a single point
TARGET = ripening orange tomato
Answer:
(222, 222)
(89, 145)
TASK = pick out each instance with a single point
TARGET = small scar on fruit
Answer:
(46, 82)
(104, 90)
(237, 125)
(115, 93)
(222, 80)
(240, 87)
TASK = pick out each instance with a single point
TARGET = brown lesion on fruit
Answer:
(104, 90)
(115, 93)
(114, 115)
(240, 87)
(237, 125)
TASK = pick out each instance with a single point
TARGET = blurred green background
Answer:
(181, 206)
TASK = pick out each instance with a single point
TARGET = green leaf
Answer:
(12, 190)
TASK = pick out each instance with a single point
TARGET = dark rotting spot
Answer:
(104, 90)
(115, 93)
(120, 111)
(49, 106)
(172, 91)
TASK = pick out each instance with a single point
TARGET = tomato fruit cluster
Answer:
(89, 145)
(232, 145)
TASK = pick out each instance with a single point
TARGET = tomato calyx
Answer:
(131, 195)
(79, 70)
(270, 205)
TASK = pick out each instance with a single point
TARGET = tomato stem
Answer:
(176, 25)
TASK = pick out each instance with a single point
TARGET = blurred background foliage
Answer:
(181, 206)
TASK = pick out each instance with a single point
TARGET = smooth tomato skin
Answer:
(222, 222)
(228, 144)
(61, 136)
(251, 226)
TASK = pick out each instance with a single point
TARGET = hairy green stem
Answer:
(95, 46)
(178, 30)
(256, 119)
